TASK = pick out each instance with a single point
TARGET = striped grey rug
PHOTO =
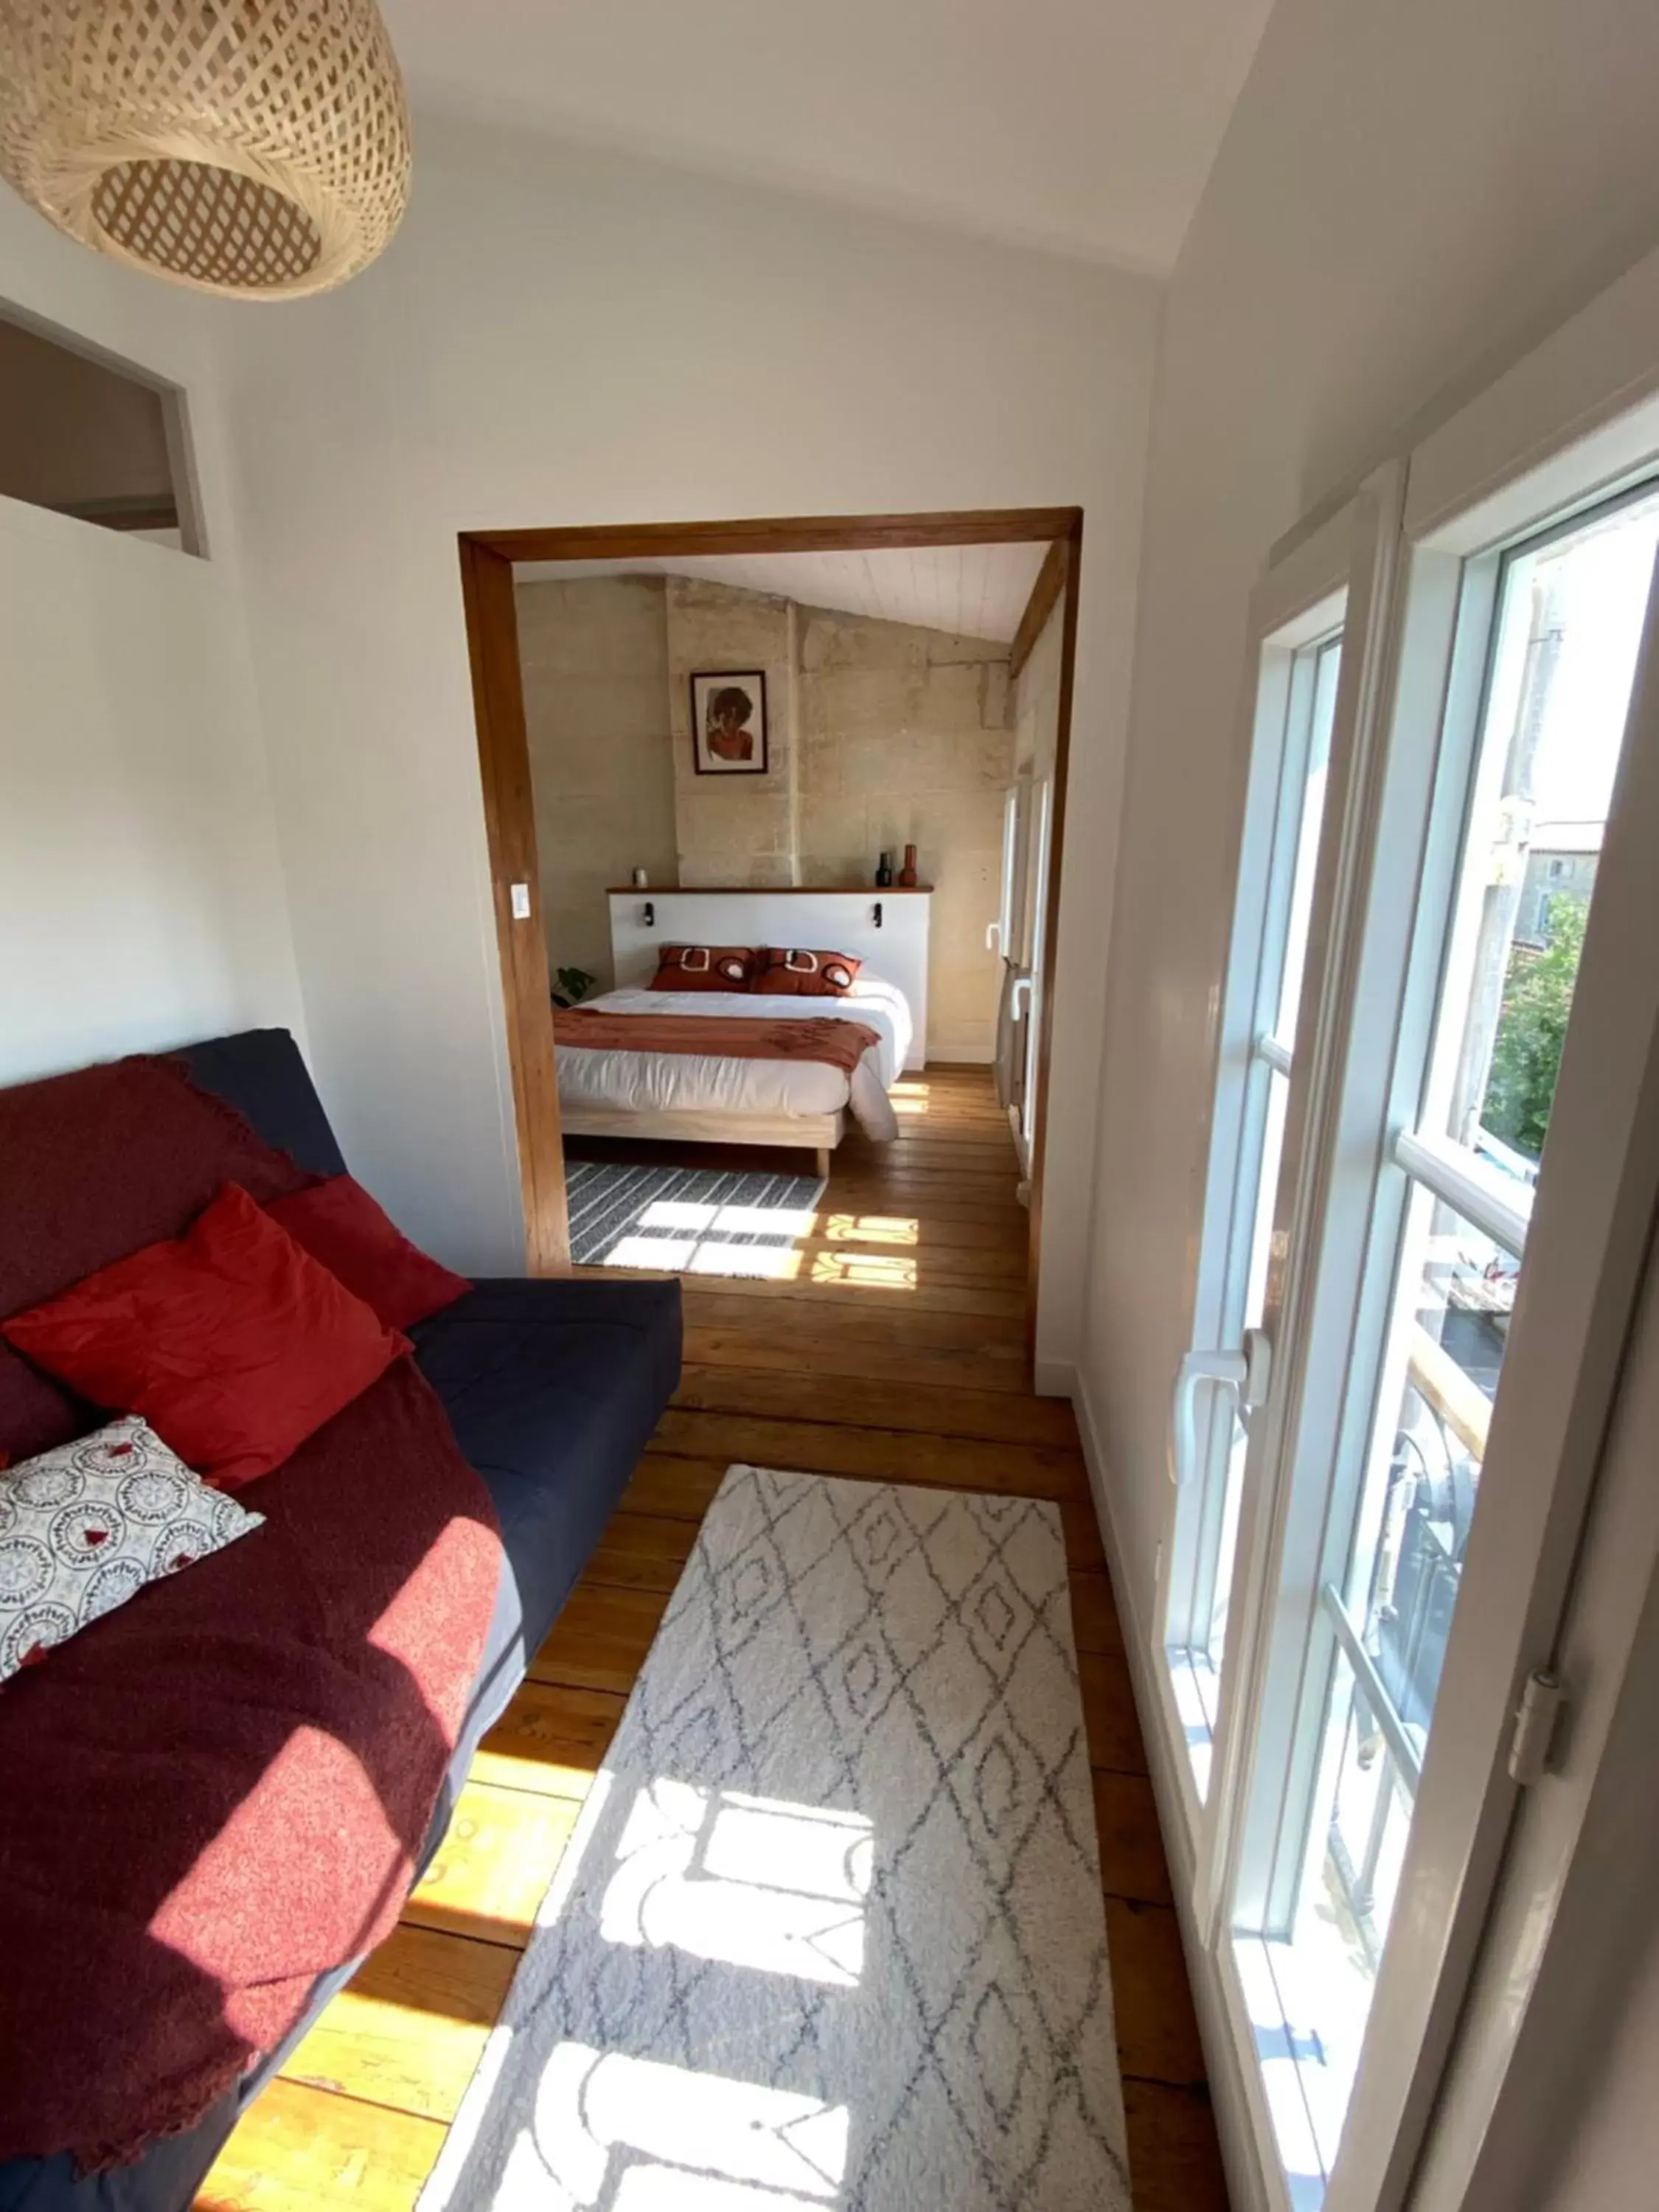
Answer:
(828, 1932)
(696, 1221)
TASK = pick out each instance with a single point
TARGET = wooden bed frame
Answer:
(821, 1131)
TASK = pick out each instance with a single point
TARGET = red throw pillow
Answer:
(231, 1341)
(704, 968)
(787, 972)
(339, 1224)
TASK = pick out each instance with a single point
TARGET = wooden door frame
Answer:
(486, 558)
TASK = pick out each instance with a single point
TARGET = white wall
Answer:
(1407, 198)
(567, 337)
(141, 897)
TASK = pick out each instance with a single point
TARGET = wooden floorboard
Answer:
(295, 2146)
(550, 1740)
(491, 1872)
(878, 1455)
(927, 1408)
(892, 1350)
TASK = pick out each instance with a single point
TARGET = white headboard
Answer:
(895, 948)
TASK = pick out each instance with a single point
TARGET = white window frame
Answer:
(1575, 424)
(1523, 455)
(1334, 579)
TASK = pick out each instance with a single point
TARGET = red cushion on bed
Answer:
(791, 972)
(704, 968)
(339, 1224)
(231, 1341)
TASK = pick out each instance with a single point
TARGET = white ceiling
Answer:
(970, 590)
(1086, 125)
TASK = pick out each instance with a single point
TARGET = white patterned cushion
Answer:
(84, 1528)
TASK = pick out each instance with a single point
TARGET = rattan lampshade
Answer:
(258, 147)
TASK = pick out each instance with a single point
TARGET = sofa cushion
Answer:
(261, 1074)
(553, 1388)
(98, 1163)
(231, 1341)
(83, 1529)
(340, 1225)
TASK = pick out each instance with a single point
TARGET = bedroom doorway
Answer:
(775, 811)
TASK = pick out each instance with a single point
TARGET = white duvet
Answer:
(683, 1082)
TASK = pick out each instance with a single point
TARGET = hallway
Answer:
(892, 1348)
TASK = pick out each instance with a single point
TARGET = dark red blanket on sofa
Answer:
(214, 1794)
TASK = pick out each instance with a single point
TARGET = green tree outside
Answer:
(1532, 1028)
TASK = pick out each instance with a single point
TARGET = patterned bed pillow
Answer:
(83, 1529)
(704, 968)
(790, 972)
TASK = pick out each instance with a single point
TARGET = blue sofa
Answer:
(553, 1388)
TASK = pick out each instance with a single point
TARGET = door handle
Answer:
(993, 936)
(1019, 997)
(1247, 1373)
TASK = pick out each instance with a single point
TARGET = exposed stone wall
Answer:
(732, 829)
(905, 739)
(596, 703)
(877, 735)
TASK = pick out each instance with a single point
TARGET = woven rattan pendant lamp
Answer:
(258, 147)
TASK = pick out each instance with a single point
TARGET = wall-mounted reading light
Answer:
(877, 914)
(650, 914)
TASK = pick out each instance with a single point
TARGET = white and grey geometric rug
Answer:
(829, 1931)
(693, 1221)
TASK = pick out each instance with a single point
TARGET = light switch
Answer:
(520, 902)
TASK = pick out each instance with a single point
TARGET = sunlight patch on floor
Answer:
(668, 1254)
(749, 1881)
(672, 1213)
(872, 1229)
(763, 1263)
(869, 1271)
(556, 1774)
(711, 2142)
(684, 1237)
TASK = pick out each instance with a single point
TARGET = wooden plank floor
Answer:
(915, 1280)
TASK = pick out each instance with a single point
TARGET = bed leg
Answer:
(824, 1157)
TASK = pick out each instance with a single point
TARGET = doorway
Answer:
(850, 902)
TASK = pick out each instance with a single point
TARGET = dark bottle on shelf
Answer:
(885, 873)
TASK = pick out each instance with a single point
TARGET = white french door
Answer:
(1314, 622)
(1428, 1208)
(1039, 848)
(1018, 933)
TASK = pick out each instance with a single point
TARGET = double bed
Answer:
(775, 1086)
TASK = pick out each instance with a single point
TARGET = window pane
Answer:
(1201, 1588)
(1400, 1502)
(1571, 628)
(1440, 1378)
(1267, 1185)
(1326, 667)
(1383, 1635)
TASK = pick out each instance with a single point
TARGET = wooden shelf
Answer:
(768, 890)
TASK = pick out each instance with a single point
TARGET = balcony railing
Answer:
(1379, 1730)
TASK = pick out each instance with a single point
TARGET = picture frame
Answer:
(728, 721)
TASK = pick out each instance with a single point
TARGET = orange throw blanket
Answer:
(719, 1036)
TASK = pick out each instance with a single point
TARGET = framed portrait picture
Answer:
(728, 722)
